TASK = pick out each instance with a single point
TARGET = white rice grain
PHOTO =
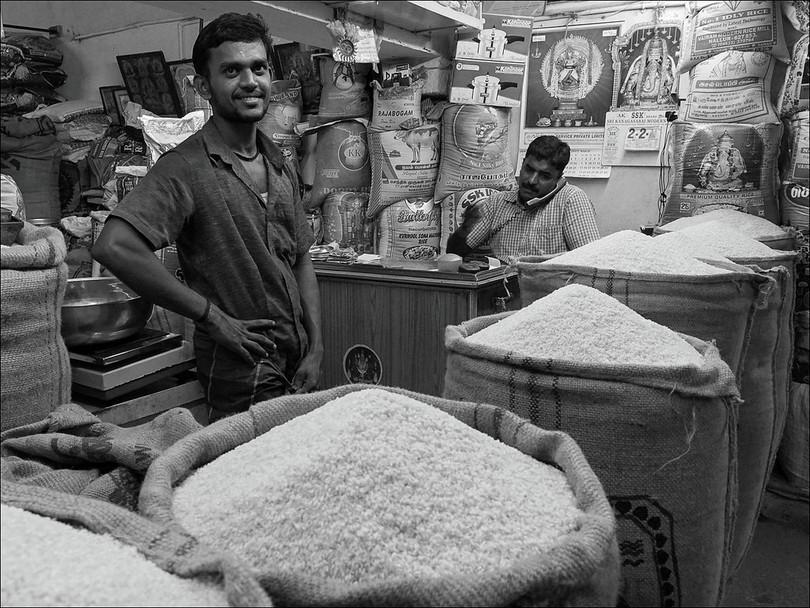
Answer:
(582, 324)
(632, 251)
(377, 485)
(46, 562)
(680, 242)
(731, 242)
(754, 226)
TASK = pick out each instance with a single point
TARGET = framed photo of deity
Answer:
(150, 83)
(571, 80)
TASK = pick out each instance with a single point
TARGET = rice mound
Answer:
(582, 324)
(49, 563)
(752, 225)
(681, 241)
(377, 485)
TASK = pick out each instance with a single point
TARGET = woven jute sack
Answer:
(168, 547)
(765, 390)
(661, 440)
(716, 308)
(581, 569)
(794, 449)
(34, 364)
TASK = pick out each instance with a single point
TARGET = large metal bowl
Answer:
(100, 310)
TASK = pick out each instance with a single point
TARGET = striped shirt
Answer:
(566, 222)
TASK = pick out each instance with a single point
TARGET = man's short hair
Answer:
(229, 27)
(551, 149)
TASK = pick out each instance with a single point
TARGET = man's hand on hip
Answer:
(245, 338)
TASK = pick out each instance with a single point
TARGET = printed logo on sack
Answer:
(353, 153)
(361, 365)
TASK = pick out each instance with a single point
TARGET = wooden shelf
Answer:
(412, 30)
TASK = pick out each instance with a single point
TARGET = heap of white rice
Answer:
(677, 243)
(632, 251)
(377, 485)
(754, 226)
(727, 241)
(582, 324)
(45, 562)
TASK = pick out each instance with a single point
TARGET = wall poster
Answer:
(586, 149)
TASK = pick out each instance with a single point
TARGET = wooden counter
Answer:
(386, 325)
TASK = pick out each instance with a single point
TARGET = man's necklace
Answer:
(248, 159)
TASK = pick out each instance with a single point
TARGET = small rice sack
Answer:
(723, 166)
(344, 90)
(404, 164)
(654, 411)
(163, 134)
(396, 107)
(342, 161)
(345, 221)
(381, 487)
(453, 208)
(732, 86)
(753, 226)
(475, 150)
(49, 563)
(283, 114)
(754, 25)
(409, 230)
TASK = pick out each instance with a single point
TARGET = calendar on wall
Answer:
(586, 149)
(635, 138)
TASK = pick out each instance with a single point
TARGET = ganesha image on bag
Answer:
(722, 166)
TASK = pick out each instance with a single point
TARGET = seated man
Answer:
(544, 215)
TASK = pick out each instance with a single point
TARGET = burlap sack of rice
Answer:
(109, 556)
(794, 456)
(765, 375)
(381, 499)
(711, 302)
(34, 365)
(654, 412)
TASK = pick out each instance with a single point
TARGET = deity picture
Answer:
(724, 159)
(648, 56)
(571, 78)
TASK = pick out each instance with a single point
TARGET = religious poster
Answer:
(586, 149)
(635, 138)
(570, 81)
(645, 58)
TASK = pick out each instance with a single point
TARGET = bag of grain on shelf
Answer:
(344, 90)
(475, 150)
(34, 365)
(756, 227)
(707, 301)
(732, 86)
(368, 497)
(342, 162)
(409, 230)
(723, 165)
(653, 410)
(453, 208)
(717, 27)
(396, 107)
(61, 549)
(283, 114)
(404, 164)
(345, 221)
(765, 376)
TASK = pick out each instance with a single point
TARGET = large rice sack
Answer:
(654, 412)
(404, 164)
(733, 86)
(794, 450)
(386, 496)
(344, 90)
(409, 231)
(34, 365)
(342, 163)
(753, 226)
(396, 107)
(475, 150)
(345, 221)
(455, 206)
(709, 302)
(283, 114)
(716, 27)
(765, 377)
(723, 165)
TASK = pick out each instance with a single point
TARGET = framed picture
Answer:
(183, 73)
(291, 58)
(108, 100)
(121, 98)
(149, 82)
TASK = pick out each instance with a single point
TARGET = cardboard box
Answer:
(489, 83)
(504, 39)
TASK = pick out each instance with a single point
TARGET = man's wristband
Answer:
(204, 316)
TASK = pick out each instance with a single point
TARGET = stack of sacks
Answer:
(79, 123)
(724, 147)
(29, 73)
(49, 563)
(765, 379)
(654, 411)
(357, 496)
(711, 301)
